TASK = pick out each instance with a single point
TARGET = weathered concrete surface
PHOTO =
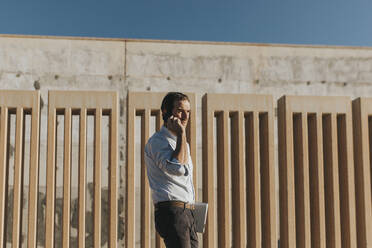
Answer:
(122, 65)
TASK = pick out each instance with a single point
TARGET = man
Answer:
(170, 170)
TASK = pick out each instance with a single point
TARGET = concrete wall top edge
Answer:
(129, 40)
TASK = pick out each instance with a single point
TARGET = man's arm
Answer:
(180, 153)
(160, 153)
(163, 155)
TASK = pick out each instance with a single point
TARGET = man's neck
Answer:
(173, 133)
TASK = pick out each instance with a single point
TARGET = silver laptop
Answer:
(200, 216)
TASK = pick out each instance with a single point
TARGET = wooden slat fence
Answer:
(325, 168)
(252, 170)
(81, 103)
(316, 172)
(20, 103)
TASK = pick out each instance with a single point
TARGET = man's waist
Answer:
(180, 204)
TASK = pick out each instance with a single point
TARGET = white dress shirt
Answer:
(169, 180)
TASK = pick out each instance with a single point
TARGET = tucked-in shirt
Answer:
(169, 179)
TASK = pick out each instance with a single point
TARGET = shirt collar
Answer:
(167, 133)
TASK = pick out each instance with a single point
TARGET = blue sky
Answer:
(319, 22)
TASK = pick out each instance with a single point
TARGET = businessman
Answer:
(169, 171)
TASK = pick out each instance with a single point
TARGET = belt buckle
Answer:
(189, 206)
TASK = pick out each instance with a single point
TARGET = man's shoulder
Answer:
(156, 139)
(157, 136)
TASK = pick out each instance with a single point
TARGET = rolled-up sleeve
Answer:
(161, 154)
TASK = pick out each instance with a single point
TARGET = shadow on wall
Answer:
(58, 219)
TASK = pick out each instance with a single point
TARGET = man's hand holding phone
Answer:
(174, 124)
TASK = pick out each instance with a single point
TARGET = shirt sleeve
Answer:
(161, 154)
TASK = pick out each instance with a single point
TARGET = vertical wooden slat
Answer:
(130, 207)
(306, 184)
(33, 173)
(66, 180)
(82, 176)
(17, 179)
(265, 182)
(302, 191)
(348, 134)
(208, 180)
(316, 180)
(363, 186)
(298, 157)
(159, 243)
(286, 176)
(6, 227)
(97, 177)
(158, 121)
(223, 180)
(51, 173)
(268, 199)
(237, 174)
(321, 229)
(3, 170)
(158, 118)
(145, 190)
(336, 183)
(344, 186)
(331, 182)
(256, 194)
(22, 177)
(253, 183)
(191, 126)
(347, 190)
(113, 144)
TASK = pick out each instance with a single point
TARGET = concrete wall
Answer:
(129, 65)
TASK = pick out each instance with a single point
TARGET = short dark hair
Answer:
(168, 103)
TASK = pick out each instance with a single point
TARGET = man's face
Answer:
(181, 110)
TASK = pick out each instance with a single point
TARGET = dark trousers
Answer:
(176, 226)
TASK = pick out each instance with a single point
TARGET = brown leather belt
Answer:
(174, 204)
